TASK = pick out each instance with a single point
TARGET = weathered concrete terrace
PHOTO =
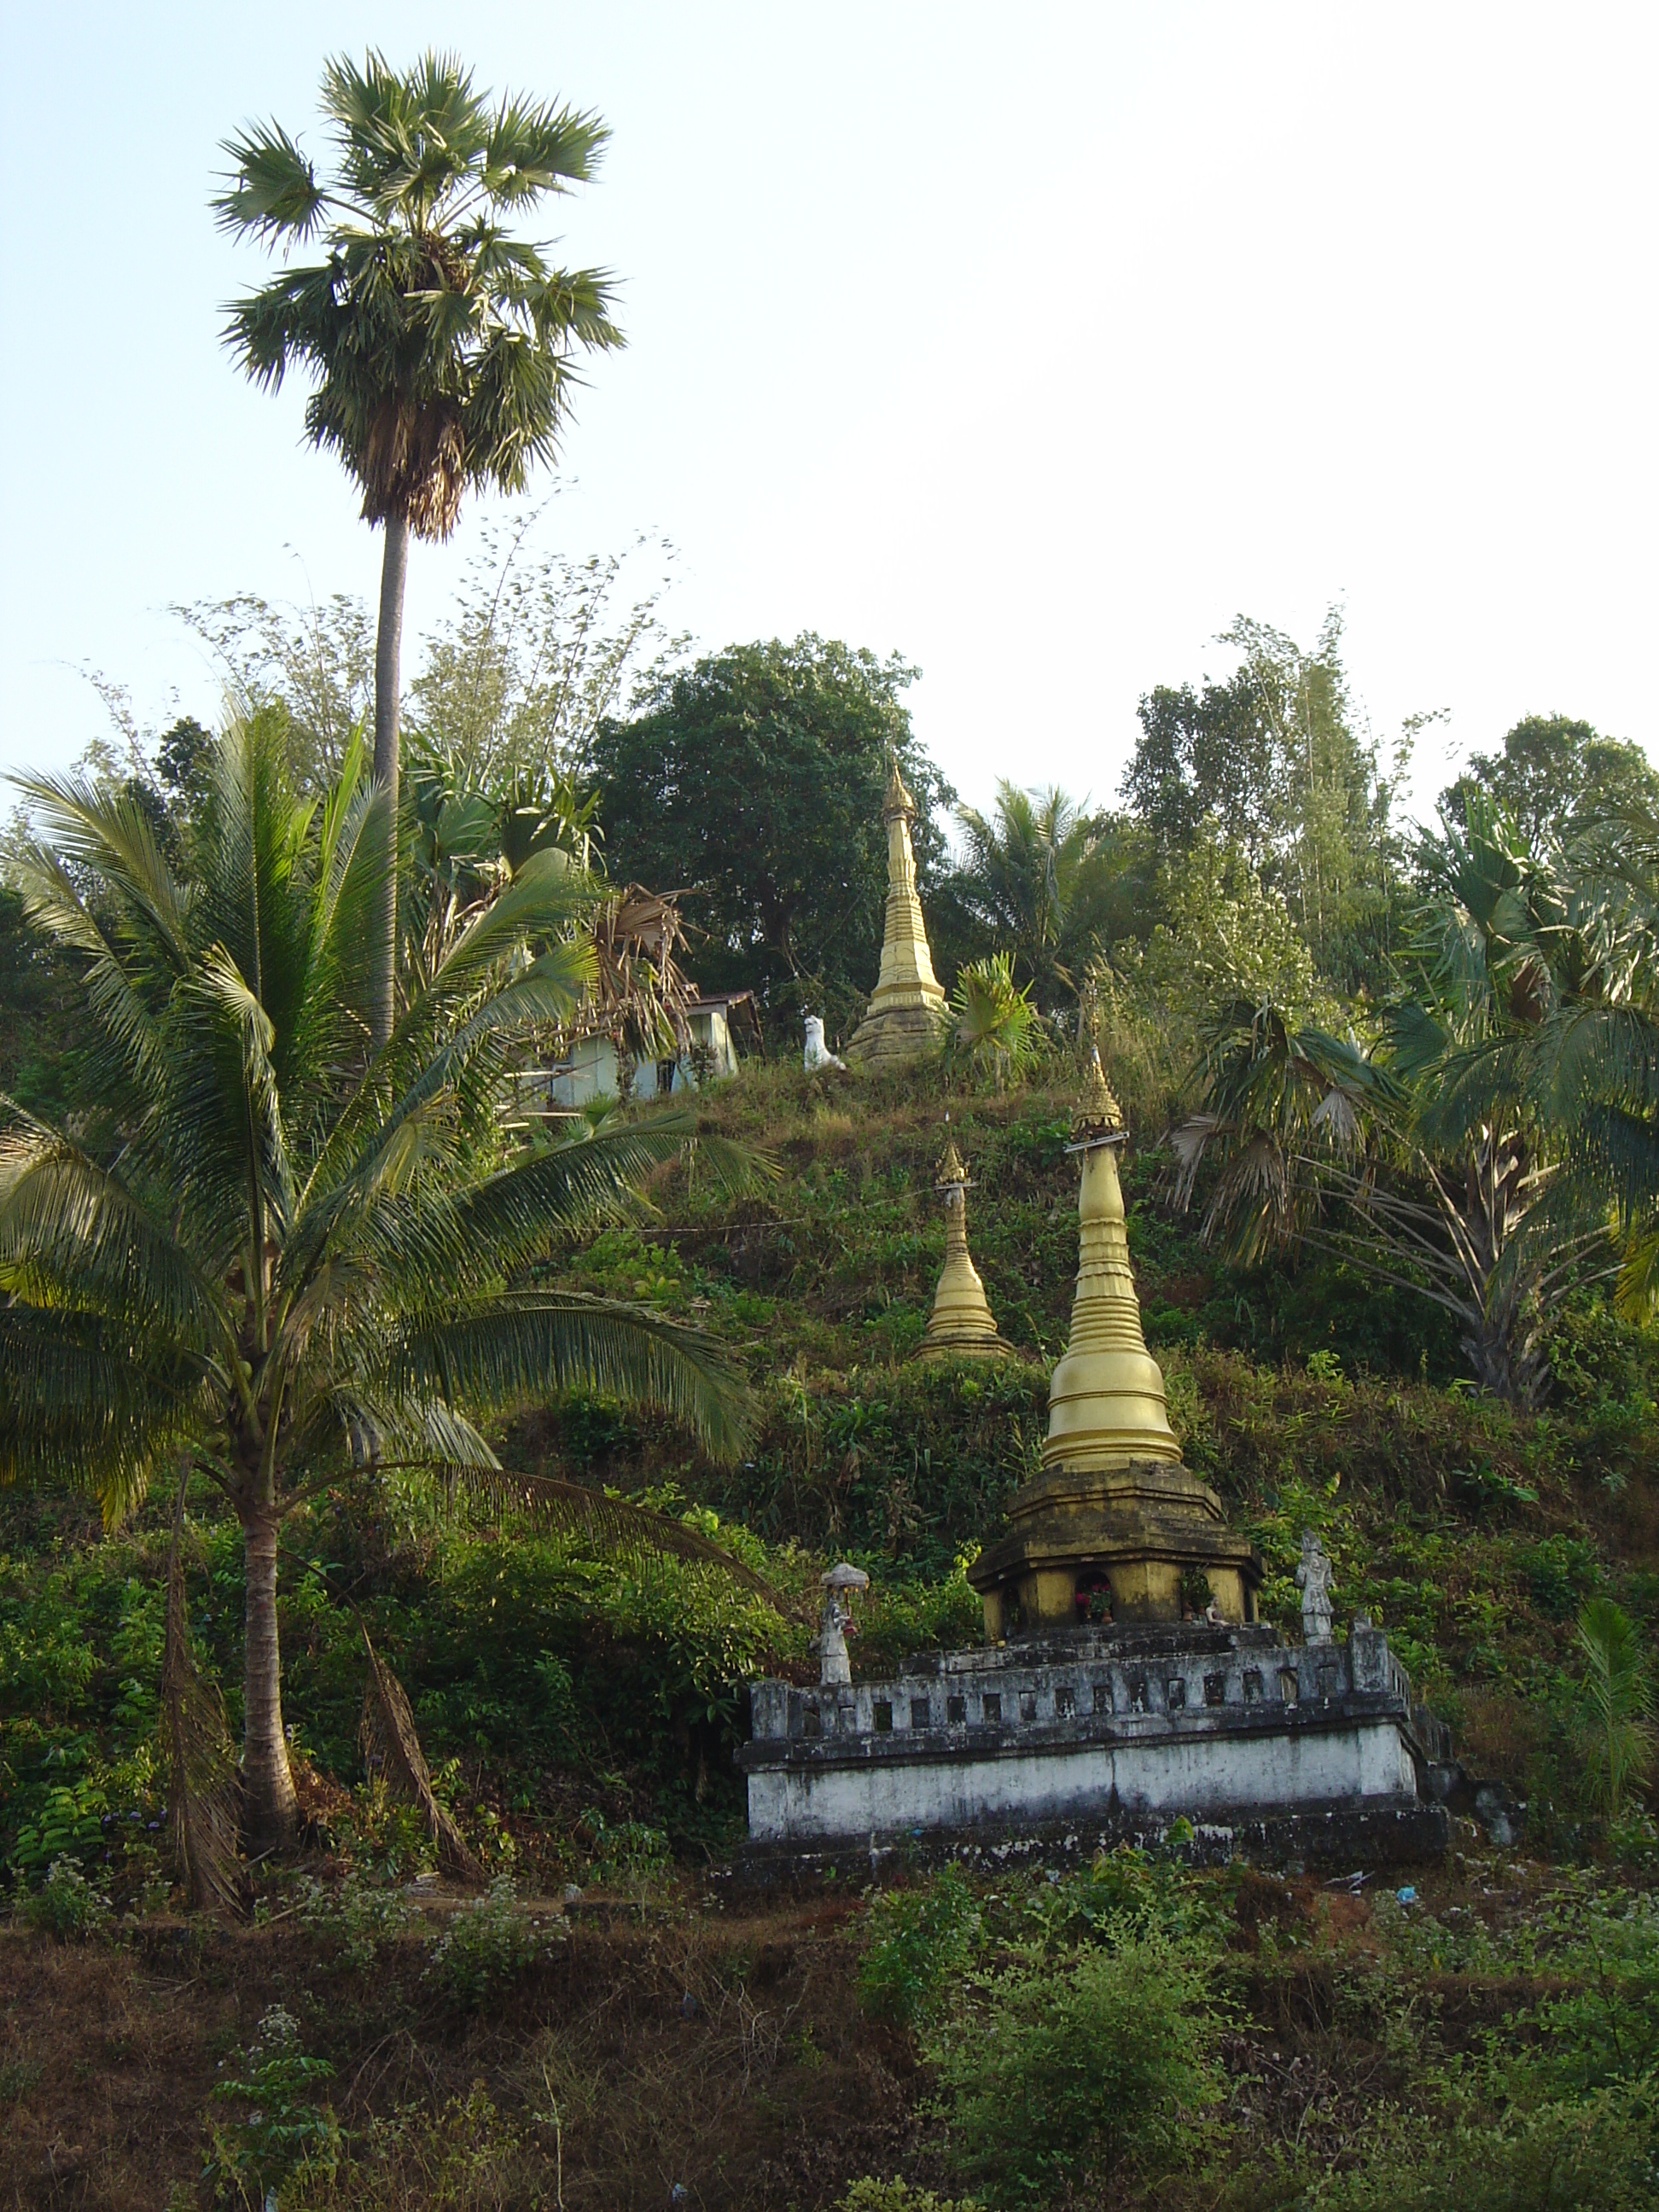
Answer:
(1192, 1720)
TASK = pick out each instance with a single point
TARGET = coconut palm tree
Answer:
(438, 346)
(265, 1246)
(1040, 875)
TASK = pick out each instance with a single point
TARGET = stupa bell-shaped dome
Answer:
(1107, 1406)
(962, 1326)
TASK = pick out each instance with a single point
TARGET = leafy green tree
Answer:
(1551, 769)
(315, 661)
(755, 779)
(299, 1255)
(439, 345)
(37, 1022)
(540, 650)
(1274, 758)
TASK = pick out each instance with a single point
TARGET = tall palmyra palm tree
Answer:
(441, 348)
(277, 1253)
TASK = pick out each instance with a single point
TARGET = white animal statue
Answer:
(817, 1054)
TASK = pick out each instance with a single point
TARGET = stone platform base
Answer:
(1338, 1838)
(1106, 1731)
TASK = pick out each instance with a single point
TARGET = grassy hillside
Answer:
(580, 1716)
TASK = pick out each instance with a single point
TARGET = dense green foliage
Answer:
(755, 778)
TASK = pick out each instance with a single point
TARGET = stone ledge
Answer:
(966, 1744)
(1400, 1831)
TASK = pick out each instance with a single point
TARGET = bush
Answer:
(66, 1905)
(1602, 2153)
(899, 2197)
(466, 2158)
(487, 1945)
(924, 1941)
(274, 2126)
(1102, 2066)
(360, 1916)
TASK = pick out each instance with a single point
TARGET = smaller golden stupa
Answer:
(903, 1018)
(1113, 1508)
(962, 1326)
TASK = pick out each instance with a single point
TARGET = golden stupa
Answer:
(1113, 1507)
(903, 1018)
(962, 1326)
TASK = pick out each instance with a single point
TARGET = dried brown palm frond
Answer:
(203, 1791)
(392, 1754)
(625, 1530)
(640, 992)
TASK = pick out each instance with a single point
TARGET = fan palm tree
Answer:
(440, 347)
(269, 1248)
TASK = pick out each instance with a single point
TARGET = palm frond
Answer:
(203, 1794)
(392, 1755)
(623, 1529)
(515, 1349)
(72, 1234)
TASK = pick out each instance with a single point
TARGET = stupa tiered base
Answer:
(1132, 1531)
(1104, 1732)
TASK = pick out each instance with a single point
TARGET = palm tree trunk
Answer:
(388, 686)
(270, 1810)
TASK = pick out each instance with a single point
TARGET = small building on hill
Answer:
(715, 1026)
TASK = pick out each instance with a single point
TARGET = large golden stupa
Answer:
(903, 1018)
(1112, 1510)
(962, 1325)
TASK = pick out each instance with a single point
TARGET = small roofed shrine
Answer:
(903, 1018)
(962, 1326)
(1113, 1520)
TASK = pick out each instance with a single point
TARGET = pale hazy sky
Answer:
(1034, 341)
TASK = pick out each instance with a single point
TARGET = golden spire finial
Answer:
(950, 1169)
(1098, 1119)
(898, 800)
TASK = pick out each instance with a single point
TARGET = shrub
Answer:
(992, 1031)
(487, 1945)
(1598, 2154)
(274, 2126)
(1101, 2066)
(923, 1943)
(66, 1905)
(466, 2158)
(1618, 1704)
(360, 1916)
(899, 2197)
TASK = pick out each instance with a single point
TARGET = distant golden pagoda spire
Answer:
(1113, 1502)
(962, 1326)
(903, 1018)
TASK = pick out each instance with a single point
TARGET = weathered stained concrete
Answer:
(1198, 1722)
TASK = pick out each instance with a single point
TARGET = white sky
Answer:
(1034, 341)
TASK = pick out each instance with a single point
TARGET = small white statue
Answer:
(817, 1054)
(838, 1624)
(1313, 1579)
